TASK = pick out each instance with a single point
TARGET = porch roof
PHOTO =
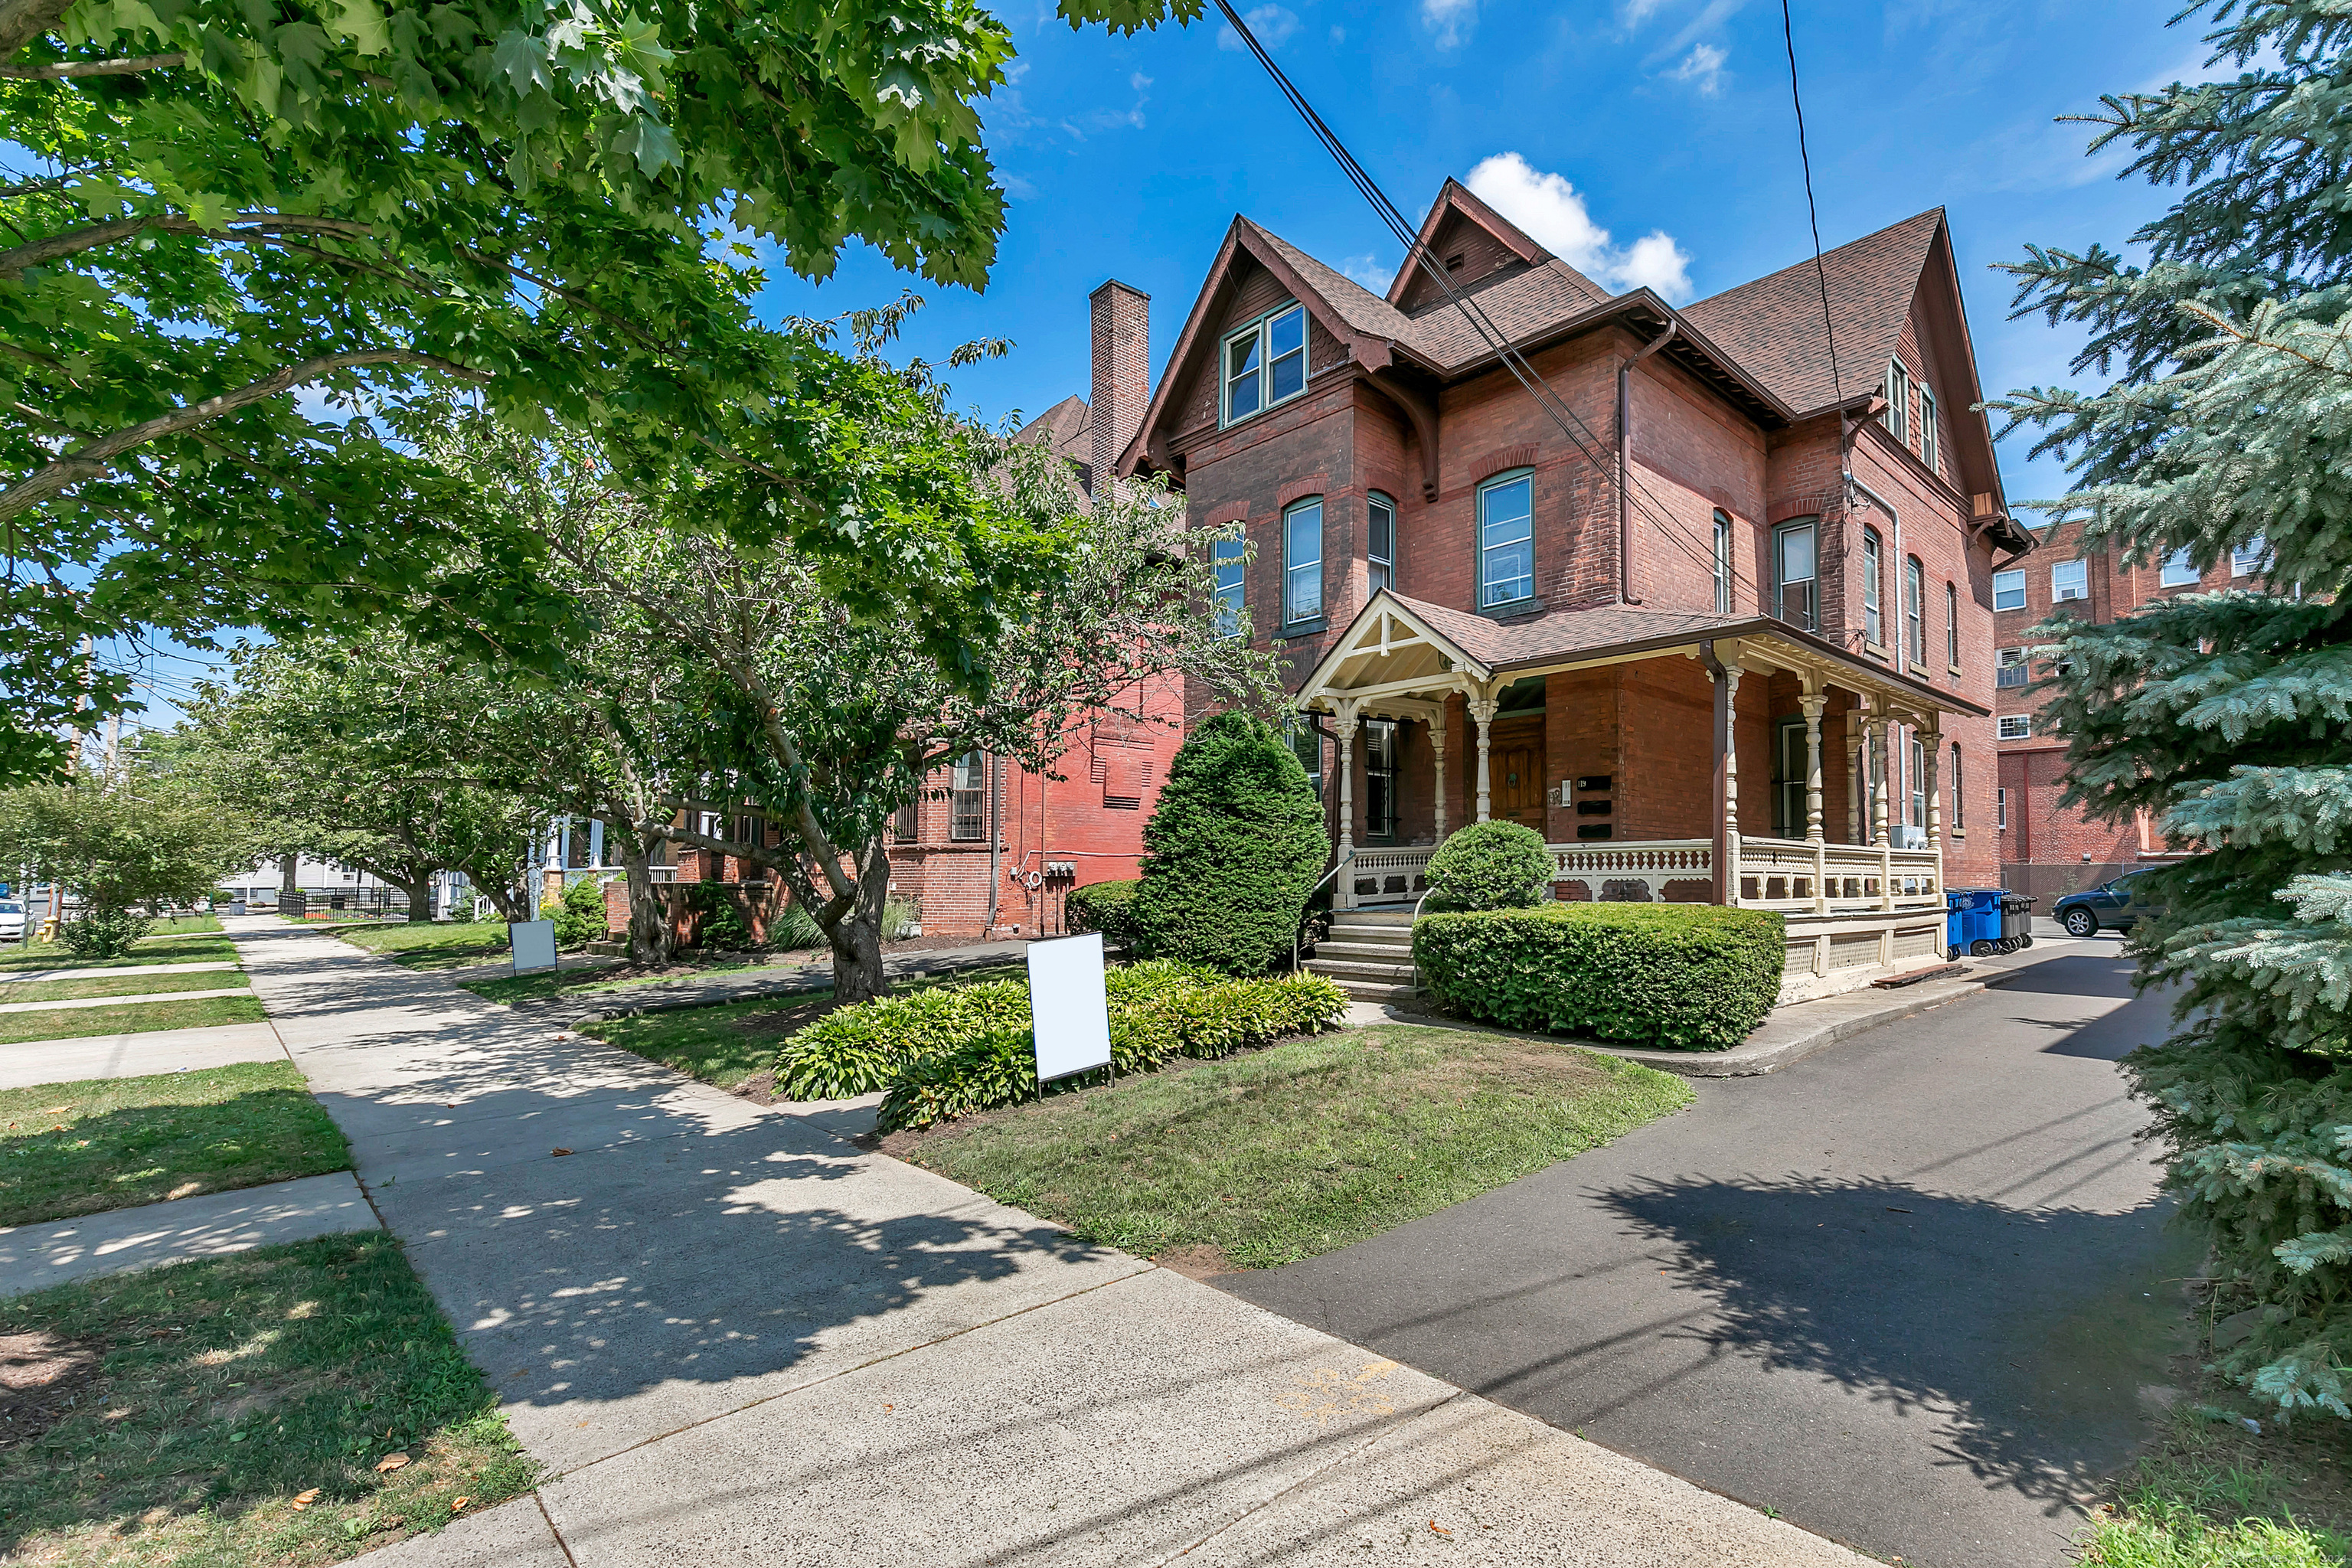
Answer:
(1399, 650)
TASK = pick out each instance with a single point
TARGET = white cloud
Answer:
(1339, 36)
(1139, 81)
(1371, 271)
(1274, 25)
(1450, 20)
(1548, 207)
(1702, 67)
(1016, 70)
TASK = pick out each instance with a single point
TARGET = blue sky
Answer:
(1126, 157)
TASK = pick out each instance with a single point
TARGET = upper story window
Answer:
(2250, 559)
(1897, 416)
(2069, 579)
(1918, 769)
(1952, 625)
(1915, 613)
(2178, 571)
(1302, 560)
(1795, 596)
(2016, 726)
(1874, 618)
(1380, 543)
(905, 822)
(1506, 539)
(1228, 556)
(1927, 428)
(2008, 590)
(1265, 362)
(1722, 564)
(2013, 668)
(967, 792)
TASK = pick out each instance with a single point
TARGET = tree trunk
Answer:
(856, 937)
(653, 940)
(418, 886)
(512, 910)
(288, 867)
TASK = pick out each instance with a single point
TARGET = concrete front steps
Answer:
(1369, 955)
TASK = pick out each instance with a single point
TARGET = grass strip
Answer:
(233, 1412)
(2214, 1495)
(576, 981)
(131, 1018)
(443, 945)
(1301, 1148)
(117, 985)
(193, 949)
(70, 1149)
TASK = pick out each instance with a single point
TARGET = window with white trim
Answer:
(2250, 559)
(1897, 389)
(2000, 809)
(968, 794)
(1874, 614)
(1795, 597)
(1302, 560)
(1264, 362)
(1958, 795)
(1918, 761)
(1952, 625)
(1915, 611)
(1380, 543)
(2016, 726)
(2069, 579)
(1228, 557)
(2011, 670)
(1927, 427)
(2178, 571)
(1506, 539)
(1722, 564)
(2008, 590)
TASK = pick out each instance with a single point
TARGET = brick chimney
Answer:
(1122, 371)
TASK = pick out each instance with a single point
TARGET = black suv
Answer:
(2114, 906)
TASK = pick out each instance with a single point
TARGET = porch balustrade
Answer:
(1614, 871)
(1379, 874)
(1793, 875)
(1796, 876)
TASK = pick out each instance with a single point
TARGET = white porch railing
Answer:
(1791, 875)
(1375, 874)
(1614, 872)
(1796, 876)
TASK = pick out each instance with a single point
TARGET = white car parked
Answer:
(11, 920)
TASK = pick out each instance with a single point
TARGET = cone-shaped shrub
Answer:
(1235, 847)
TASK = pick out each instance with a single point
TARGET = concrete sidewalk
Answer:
(34, 1257)
(71, 1060)
(733, 1336)
(751, 982)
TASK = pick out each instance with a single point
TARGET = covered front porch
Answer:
(1625, 736)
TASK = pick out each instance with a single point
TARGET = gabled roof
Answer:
(1067, 430)
(1773, 326)
(1457, 206)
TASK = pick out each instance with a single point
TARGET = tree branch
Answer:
(92, 237)
(95, 457)
(55, 70)
(22, 21)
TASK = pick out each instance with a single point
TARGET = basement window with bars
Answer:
(968, 797)
(1265, 362)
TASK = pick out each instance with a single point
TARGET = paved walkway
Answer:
(1916, 1292)
(734, 1337)
(34, 1257)
(121, 1001)
(29, 1062)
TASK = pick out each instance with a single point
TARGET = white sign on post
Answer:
(534, 945)
(1068, 1006)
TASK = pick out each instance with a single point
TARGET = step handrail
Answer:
(1304, 910)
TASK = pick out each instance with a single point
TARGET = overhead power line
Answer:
(1580, 434)
(1805, 159)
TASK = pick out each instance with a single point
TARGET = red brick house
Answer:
(1727, 635)
(2046, 849)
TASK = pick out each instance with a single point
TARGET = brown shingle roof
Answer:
(1066, 428)
(1559, 634)
(1772, 327)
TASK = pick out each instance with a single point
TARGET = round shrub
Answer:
(1680, 976)
(1490, 866)
(1235, 848)
(580, 917)
(1105, 907)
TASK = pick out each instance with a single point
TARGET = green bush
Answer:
(102, 933)
(1156, 1011)
(858, 1049)
(1105, 907)
(1681, 976)
(796, 930)
(1490, 866)
(1235, 846)
(580, 917)
(722, 925)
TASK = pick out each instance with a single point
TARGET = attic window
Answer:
(1454, 263)
(1264, 362)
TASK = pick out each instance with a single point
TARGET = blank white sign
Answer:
(1067, 1005)
(534, 945)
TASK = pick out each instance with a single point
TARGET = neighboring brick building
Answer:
(1497, 616)
(2046, 849)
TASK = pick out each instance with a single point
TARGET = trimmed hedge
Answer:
(1679, 977)
(1490, 866)
(856, 1050)
(1158, 1017)
(1105, 907)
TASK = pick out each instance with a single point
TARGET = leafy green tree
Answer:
(555, 208)
(122, 842)
(2229, 715)
(1235, 846)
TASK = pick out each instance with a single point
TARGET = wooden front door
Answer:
(1514, 773)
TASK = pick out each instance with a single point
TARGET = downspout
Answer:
(1625, 461)
(1721, 860)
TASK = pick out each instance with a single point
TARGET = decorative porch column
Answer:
(1437, 756)
(1731, 883)
(1813, 702)
(1855, 774)
(1878, 755)
(1482, 713)
(1933, 735)
(1343, 730)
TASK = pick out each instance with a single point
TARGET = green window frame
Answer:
(1262, 364)
(1506, 538)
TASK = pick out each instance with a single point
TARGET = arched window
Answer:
(1380, 543)
(1302, 560)
(1952, 624)
(1506, 539)
(1874, 617)
(1915, 613)
(1722, 564)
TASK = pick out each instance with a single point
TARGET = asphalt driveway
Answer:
(1916, 1293)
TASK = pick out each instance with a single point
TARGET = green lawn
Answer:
(117, 985)
(189, 949)
(131, 1018)
(574, 981)
(69, 1149)
(208, 1399)
(445, 944)
(184, 925)
(2214, 1495)
(1301, 1148)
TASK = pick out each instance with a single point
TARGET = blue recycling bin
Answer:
(1971, 921)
